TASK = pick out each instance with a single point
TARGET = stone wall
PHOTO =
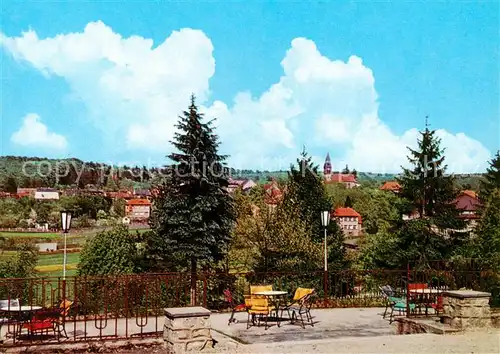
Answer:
(186, 329)
(466, 309)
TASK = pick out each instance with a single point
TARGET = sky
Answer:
(106, 80)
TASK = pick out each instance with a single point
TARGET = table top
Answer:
(21, 308)
(426, 291)
(271, 293)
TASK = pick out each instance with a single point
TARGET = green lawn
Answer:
(58, 273)
(54, 259)
(39, 235)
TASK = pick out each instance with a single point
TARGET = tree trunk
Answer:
(193, 281)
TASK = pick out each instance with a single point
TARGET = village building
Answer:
(46, 194)
(138, 209)
(272, 194)
(349, 220)
(468, 204)
(122, 194)
(142, 193)
(391, 186)
(349, 180)
(26, 192)
(245, 185)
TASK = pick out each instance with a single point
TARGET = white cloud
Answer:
(132, 88)
(35, 134)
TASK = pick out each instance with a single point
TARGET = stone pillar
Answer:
(466, 309)
(186, 329)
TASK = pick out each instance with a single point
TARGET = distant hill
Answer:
(18, 171)
(34, 172)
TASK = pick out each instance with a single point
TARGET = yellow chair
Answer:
(257, 306)
(301, 305)
(258, 288)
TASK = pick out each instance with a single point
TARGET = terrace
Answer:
(348, 303)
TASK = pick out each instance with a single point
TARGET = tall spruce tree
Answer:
(193, 214)
(491, 181)
(426, 186)
(307, 194)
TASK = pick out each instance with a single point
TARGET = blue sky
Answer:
(105, 81)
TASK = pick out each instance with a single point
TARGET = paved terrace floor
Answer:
(328, 324)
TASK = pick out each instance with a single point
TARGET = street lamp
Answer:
(325, 220)
(66, 225)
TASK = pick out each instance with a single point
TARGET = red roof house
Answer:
(468, 203)
(348, 179)
(391, 186)
(138, 209)
(272, 192)
(349, 220)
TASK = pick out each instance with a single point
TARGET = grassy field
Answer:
(56, 259)
(51, 264)
(58, 273)
(38, 235)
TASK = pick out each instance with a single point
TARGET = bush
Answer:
(110, 252)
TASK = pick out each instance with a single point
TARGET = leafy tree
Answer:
(193, 214)
(22, 264)
(111, 252)
(307, 197)
(491, 178)
(427, 187)
(275, 239)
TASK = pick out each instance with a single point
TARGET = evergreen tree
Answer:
(193, 214)
(488, 233)
(306, 193)
(426, 186)
(491, 178)
(11, 185)
(348, 202)
(427, 189)
(346, 170)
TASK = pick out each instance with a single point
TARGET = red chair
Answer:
(50, 320)
(417, 286)
(438, 306)
(228, 296)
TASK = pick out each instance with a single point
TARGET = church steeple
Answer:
(327, 167)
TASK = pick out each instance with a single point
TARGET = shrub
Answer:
(110, 252)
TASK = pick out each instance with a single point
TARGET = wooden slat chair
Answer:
(300, 305)
(257, 307)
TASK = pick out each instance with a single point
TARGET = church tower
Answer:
(327, 167)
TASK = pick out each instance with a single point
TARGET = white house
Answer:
(46, 194)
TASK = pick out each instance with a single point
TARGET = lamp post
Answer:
(66, 225)
(325, 220)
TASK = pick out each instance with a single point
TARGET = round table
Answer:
(22, 312)
(274, 297)
(21, 308)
